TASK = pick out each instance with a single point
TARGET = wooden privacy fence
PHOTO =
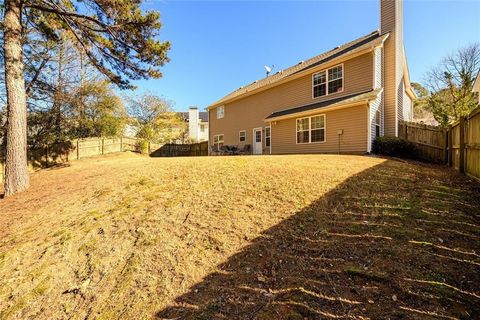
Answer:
(90, 147)
(181, 150)
(458, 145)
(431, 141)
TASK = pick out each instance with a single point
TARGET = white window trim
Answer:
(270, 137)
(240, 135)
(310, 129)
(223, 113)
(379, 124)
(326, 83)
(223, 140)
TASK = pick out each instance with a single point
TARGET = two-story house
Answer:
(336, 102)
(197, 124)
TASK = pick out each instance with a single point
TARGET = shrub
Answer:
(143, 146)
(395, 147)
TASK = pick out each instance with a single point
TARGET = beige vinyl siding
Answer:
(375, 106)
(388, 17)
(353, 122)
(250, 112)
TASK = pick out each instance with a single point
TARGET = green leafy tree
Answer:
(420, 107)
(450, 85)
(99, 114)
(116, 36)
(154, 119)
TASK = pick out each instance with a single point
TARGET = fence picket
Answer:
(458, 146)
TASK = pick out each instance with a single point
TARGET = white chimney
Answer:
(193, 128)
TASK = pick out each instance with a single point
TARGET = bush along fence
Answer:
(90, 147)
(458, 145)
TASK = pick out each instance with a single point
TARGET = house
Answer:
(336, 102)
(197, 124)
(476, 87)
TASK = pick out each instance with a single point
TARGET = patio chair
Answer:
(245, 150)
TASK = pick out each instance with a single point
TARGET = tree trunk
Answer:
(16, 172)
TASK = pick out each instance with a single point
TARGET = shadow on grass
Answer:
(350, 255)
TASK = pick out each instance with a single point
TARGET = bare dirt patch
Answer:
(273, 237)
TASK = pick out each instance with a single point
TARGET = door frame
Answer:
(254, 140)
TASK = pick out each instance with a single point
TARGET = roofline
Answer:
(476, 84)
(406, 76)
(336, 106)
(299, 74)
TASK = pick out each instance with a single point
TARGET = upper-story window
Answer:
(220, 112)
(328, 81)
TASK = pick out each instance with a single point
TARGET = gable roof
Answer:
(350, 99)
(368, 41)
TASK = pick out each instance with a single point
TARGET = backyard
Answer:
(267, 237)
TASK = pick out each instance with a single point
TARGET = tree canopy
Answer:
(448, 93)
(116, 37)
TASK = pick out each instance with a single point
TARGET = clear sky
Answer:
(218, 46)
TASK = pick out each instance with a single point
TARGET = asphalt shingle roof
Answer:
(365, 95)
(360, 43)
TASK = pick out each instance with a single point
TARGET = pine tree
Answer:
(117, 37)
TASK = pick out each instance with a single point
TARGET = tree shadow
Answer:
(383, 244)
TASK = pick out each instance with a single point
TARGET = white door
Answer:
(257, 141)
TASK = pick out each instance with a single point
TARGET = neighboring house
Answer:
(336, 102)
(476, 87)
(197, 124)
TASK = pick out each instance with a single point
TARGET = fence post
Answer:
(461, 165)
(445, 146)
(149, 148)
(78, 149)
(121, 144)
(103, 142)
(46, 156)
(450, 147)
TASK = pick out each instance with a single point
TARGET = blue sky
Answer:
(218, 46)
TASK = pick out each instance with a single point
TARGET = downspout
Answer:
(369, 128)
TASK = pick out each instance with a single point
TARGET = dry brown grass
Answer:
(287, 237)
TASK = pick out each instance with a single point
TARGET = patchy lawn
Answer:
(272, 237)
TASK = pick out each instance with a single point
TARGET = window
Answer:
(328, 81)
(202, 128)
(243, 136)
(217, 141)
(378, 119)
(317, 125)
(311, 129)
(303, 130)
(220, 112)
(267, 136)
(258, 135)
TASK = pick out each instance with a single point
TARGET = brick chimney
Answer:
(391, 22)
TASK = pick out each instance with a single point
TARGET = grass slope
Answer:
(272, 237)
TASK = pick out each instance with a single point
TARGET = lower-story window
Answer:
(242, 136)
(217, 141)
(378, 119)
(267, 137)
(311, 129)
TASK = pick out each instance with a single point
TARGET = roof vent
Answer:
(300, 62)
